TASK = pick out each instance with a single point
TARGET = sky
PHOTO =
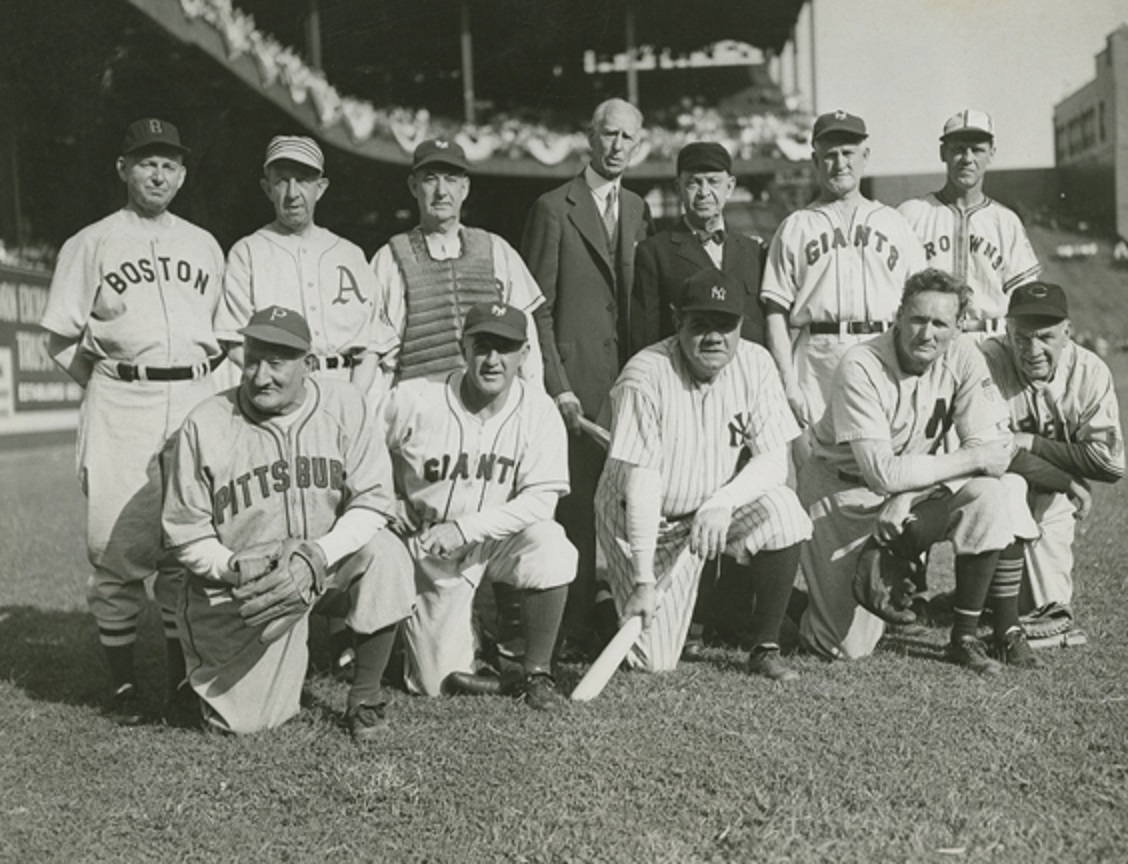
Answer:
(905, 66)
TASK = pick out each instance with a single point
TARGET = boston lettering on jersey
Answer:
(451, 466)
(976, 245)
(150, 270)
(262, 481)
(866, 238)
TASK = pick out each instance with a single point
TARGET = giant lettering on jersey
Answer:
(276, 478)
(866, 238)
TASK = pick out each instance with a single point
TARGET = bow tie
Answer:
(717, 236)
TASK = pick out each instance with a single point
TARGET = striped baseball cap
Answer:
(970, 123)
(296, 148)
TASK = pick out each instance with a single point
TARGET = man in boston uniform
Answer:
(835, 268)
(297, 264)
(130, 319)
(696, 470)
(282, 478)
(580, 241)
(976, 239)
(480, 459)
(877, 471)
(429, 277)
(1066, 422)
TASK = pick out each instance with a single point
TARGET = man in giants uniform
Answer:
(130, 319)
(429, 277)
(976, 239)
(1066, 421)
(876, 462)
(480, 460)
(696, 470)
(282, 457)
(835, 268)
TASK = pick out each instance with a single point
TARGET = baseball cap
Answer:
(1041, 299)
(151, 132)
(277, 325)
(710, 290)
(439, 151)
(500, 319)
(704, 156)
(839, 122)
(970, 123)
(296, 148)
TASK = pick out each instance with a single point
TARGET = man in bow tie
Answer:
(699, 241)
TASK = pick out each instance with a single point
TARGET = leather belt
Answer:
(848, 328)
(334, 361)
(131, 372)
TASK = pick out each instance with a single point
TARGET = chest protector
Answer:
(438, 295)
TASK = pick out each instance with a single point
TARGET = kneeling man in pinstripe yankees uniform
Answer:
(696, 469)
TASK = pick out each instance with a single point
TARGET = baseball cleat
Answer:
(1013, 649)
(967, 651)
(125, 706)
(471, 684)
(540, 693)
(765, 660)
(367, 723)
(182, 708)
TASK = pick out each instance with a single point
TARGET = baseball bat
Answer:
(601, 435)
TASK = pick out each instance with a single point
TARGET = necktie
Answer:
(609, 217)
(717, 236)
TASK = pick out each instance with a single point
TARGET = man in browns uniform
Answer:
(877, 461)
(697, 469)
(480, 459)
(835, 268)
(284, 468)
(973, 237)
(130, 319)
(1066, 421)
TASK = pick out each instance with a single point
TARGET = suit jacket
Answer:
(666, 260)
(565, 246)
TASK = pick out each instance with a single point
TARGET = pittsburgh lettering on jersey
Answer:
(161, 268)
(346, 284)
(976, 246)
(262, 481)
(866, 238)
(456, 466)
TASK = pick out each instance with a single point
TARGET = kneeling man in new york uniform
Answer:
(276, 495)
(480, 459)
(877, 471)
(696, 469)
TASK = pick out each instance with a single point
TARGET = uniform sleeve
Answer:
(74, 286)
(540, 244)
(382, 337)
(773, 423)
(780, 278)
(915, 259)
(390, 295)
(521, 289)
(635, 429)
(186, 512)
(1022, 261)
(980, 413)
(368, 467)
(237, 304)
(855, 403)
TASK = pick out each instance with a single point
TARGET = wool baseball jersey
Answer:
(693, 432)
(824, 269)
(984, 246)
(138, 290)
(874, 399)
(248, 481)
(1078, 405)
(323, 276)
(450, 465)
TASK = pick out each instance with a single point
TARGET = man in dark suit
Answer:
(579, 243)
(699, 241)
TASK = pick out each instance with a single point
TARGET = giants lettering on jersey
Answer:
(866, 238)
(165, 269)
(976, 246)
(318, 472)
(457, 467)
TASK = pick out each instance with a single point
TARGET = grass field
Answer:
(896, 758)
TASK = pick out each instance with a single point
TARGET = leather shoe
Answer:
(470, 684)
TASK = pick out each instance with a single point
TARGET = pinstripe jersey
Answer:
(874, 399)
(1078, 405)
(693, 432)
(984, 246)
(450, 465)
(826, 270)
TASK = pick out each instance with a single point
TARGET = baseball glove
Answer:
(282, 596)
(254, 562)
(884, 584)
